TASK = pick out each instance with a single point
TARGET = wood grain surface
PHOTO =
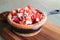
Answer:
(48, 32)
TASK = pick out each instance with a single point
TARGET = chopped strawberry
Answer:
(22, 22)
(20, 14)
(21, 10)
(26, 13)
(16, 20)
(29, 6)
(23, 19)
(28, 18)
(32, 9)
(30, 13)
(14, 13)
(33, 19)
(26, 8)
(37, 15)
(41, 16)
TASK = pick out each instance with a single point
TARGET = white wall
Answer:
(45, 5)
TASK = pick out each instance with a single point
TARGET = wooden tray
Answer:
(48, 32)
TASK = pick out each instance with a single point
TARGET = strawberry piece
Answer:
(41, 16)
(28, 18)
(29, 6)
(33, 19)
(26, 8)
(32, 9)
(19, 9)
(23, 21)
(16, 20)
(14, 13)
(22, 10)
(20, 15)
(30, 13)
(37, 15)
(33, 16)
(26, 13)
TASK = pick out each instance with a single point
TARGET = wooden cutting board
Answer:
(48, 32)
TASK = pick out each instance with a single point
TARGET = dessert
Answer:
(26, 21)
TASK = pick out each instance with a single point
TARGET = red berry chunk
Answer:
(32, 9)
(14, 13)
(16, 20)
(23, 21)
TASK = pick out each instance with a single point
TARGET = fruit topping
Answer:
(27, 15)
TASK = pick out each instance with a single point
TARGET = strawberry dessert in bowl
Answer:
(26, 21)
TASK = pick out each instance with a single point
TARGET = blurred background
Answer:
(43, 5)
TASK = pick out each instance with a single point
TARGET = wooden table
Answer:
(48, 32)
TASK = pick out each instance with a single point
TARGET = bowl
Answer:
(27, 30)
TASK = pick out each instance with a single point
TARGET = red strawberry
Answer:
(26, 8)
(30, 13)
(28, 18)
(33, 16)
(38, 15)
(29, 6)
(32, 9)
(21, 22)
(41, 16)
(21, 10)
(33, 19)
(23, 19)
(16, 20)
(14, 13)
